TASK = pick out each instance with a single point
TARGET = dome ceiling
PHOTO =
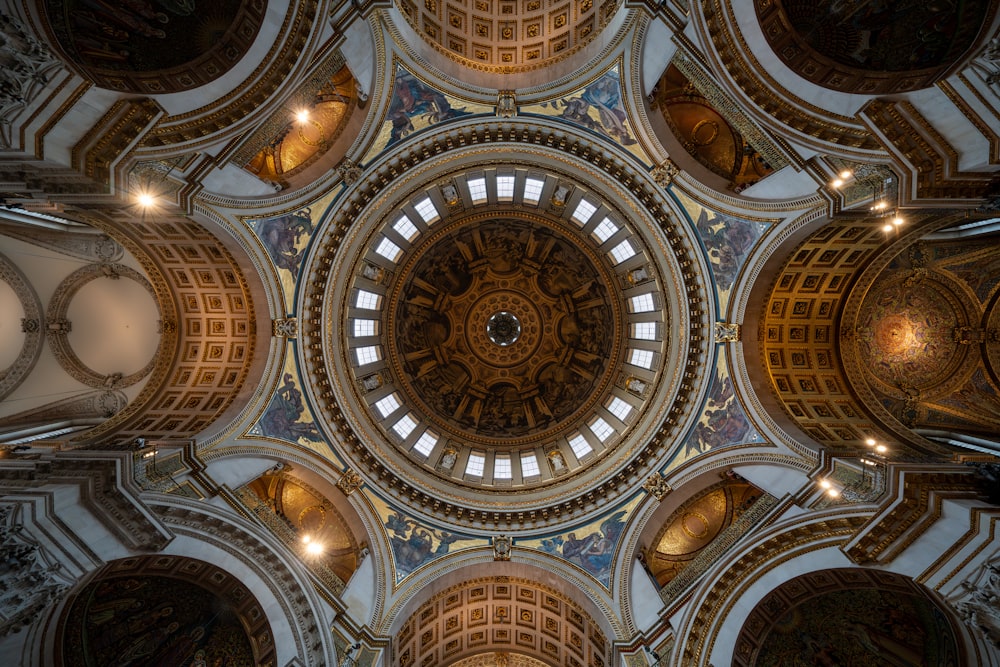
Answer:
(508, 34)
(502, 329)
(484, 346)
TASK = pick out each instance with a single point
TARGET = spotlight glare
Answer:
(302, 115)
(833, 493)
(825, 483)
(881, 449)
(887, 228)
(870, 442)
(847, 173)
(145, 199)
(314, 548)
(897, 221)
(837, 183)
(306, 539)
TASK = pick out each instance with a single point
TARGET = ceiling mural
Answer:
(723, 422)
(171, 611)
(705, 134)
(414, 106)
(847, 617)
(694, 525)
(310, 132)
(926, 333)
(153, 46)
(285, 238)
(288, 416)
(591, 546)
(414, 543)
(487, 382)
(728, 241)
(598, 107)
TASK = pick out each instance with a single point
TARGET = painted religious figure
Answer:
(728, 242)
(416, 105)
(414, 544)
(591, 547)
(598, 107)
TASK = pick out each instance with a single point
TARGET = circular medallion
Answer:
(492, 329)
(503, 328)
(907, 332)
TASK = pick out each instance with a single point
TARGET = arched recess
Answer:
(209, 326)
(850, 616)
(142, 50)
(163, 610)
(808, 319)
(305, 137)
(479, 611)
(673, 544)
(322, 532)
(700, 138)
(927, 336)
(876, 51)
(496, 62)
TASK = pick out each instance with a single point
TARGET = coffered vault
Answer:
(503, 332)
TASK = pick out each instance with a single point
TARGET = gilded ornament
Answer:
(657, 486)
(285, 327)
(665, 172)
(501, 547)
(349, 171)
(506, 104)
(349, 482)
(727, 332)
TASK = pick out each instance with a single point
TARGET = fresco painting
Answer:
(415, 106)
(287, 416)
(722, 423)
(415, 544)
(285, 238)
(728, 242)
(598, 107)
(592, 546)
(152, 620)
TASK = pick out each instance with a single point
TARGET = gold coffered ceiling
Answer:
(519, 34)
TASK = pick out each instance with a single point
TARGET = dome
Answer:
(508, 35)
(504, 329)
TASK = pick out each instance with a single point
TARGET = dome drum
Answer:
(588, 305)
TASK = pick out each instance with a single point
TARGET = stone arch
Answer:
(162, 608)
(847, 615)
(523, 611)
